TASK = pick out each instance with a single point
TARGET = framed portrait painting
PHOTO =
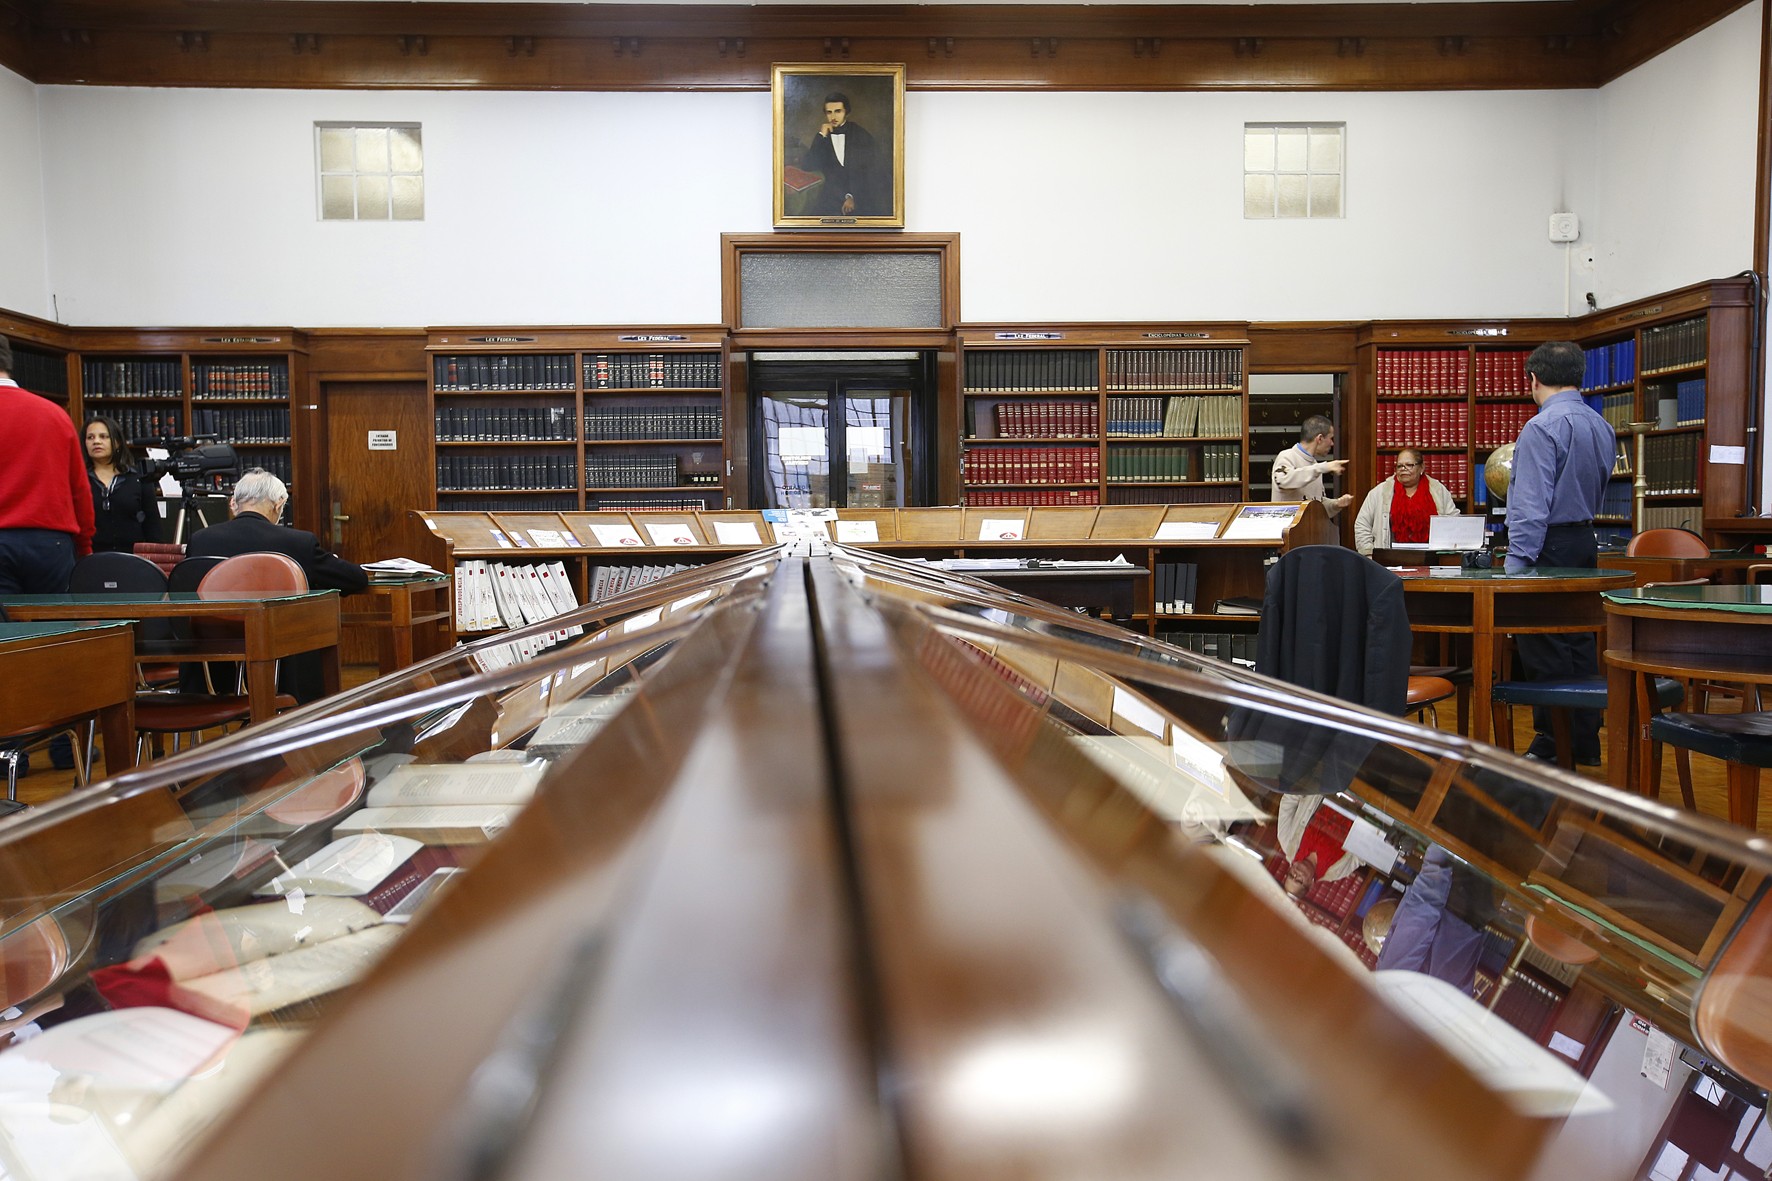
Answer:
(839, 146)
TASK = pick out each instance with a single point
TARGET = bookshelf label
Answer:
(652, 338)
(1476, 332)
(383, 441)
(1178, 336)
(1732, 455)
(1027, 336)
(242, 339)
(501, 340)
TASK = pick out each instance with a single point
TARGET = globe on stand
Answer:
(1498, 471)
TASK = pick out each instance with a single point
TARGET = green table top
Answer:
(1748, 600)
(1496, 574)
(166, 597)
(38, 631)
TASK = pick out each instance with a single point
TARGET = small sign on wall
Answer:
(382, 441)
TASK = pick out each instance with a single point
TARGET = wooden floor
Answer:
(45, 784)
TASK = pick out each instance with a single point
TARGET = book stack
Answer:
(1448, 469)
(493, 595)
(605, 502)
(484, 424)
(1021, 372)
(1150, 465)
(1174, 586)
(1500, 373)
(1674, 346)
(1030, 497)
(1616, 500)
(147, 424)
(1230, 647)
(639, 371)
(458, 503)
(1621, 461)
(1044, 420)
(131, 379)
(1670, 463)
(1611, 365)
(1673, 516)
(41, 373)
(1174, 369)
(1187, 417)
(502, 371)
(1619, 409)
(610, 581)
(632, 471)
(240, 380)
(1689, 401)
(473, 473)
(257, 424)
(1226, 493)
(1425, 424)
(1491, 426)
(652, 421)
(1422, 373)
(1031, 465)
(445, 804)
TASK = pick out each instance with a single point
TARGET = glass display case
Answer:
(830, 864)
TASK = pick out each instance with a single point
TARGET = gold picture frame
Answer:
(855, 177)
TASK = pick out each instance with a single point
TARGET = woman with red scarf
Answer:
(1398, 510)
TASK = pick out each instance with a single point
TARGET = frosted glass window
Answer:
(1293, 169)
(370, 171)
(891, 289)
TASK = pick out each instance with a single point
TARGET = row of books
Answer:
(488, 424)
(1173, 587)
(147, 378)
(1492, 426)
(628, 502)
(653, 422)
(1621, 463)
(1688, 399)
(1616, 500)
(1175, 494)
(1230, 647)
(1499, 373)
(493, 595)
(637, 371)
(1422, 424)
(1155, 465)
(1670, 462)
(1619, 409)
(1176, 418)
(610, 581)
(1031, 465)
(632, 471)
(41, 373)
(502, 371)
(243, 424)
(506, 504)
(1004, 371)
(473, 473)
(1673, 516)
(143, 425)
(1174, 369)
(1031, 497)
(1445, 466)
(1421, 373)
(1042, 420)
(240, 379)
(1674, 346)
(278, 463)
(1610, 365)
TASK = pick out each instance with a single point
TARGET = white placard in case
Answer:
(670, 532)
(1733, 455)
(383, 441)
(857, 532)
(1187, 531)
(1260, 522)
(1000, 529)
(736, 533)
(548, 538)
(643, 620)
(1134, 709)
(614, 535)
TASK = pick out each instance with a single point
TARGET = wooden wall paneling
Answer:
(1302, 347)
(30, 329)
(1565, 43)
(948, 425)
(737, 416)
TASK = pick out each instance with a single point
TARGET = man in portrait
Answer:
(857, 171)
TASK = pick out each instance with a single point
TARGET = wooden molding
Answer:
(373, 44)
(733, 247)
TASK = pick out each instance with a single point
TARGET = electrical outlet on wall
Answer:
(1564, 227)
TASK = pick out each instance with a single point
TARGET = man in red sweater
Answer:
(45, 497)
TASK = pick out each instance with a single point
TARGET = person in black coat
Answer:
(124, 507)
(257, 504)
(857, 174)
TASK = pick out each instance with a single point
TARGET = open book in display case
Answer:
(677, 844)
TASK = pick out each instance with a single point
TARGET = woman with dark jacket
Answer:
(124, 507)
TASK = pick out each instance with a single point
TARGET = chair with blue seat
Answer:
(1743, 741)
(1560, 697)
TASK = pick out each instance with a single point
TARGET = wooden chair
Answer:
(1732, 1012)
(1667, 543)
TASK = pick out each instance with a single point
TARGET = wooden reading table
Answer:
(274, 625)
(1487, 605)
(50, 672)
(401, 610)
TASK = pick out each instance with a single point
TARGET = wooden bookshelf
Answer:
(579, 419)
(1080, 416)
(235, 384)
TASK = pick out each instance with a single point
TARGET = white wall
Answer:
(197, 207)
(24, 273)
(1676, 141)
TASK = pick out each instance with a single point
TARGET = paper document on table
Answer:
(401, 566)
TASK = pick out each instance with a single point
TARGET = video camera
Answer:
(201, 468)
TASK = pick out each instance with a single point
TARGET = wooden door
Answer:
(366, 512)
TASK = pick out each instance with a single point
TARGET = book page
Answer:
(240, 934)
(347, 867)
(453, 783)
(276, 982)
(446, 824)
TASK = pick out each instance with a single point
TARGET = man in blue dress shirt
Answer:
(1561, 463)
